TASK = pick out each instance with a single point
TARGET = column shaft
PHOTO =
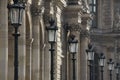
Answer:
(36, 49)
(3, 40)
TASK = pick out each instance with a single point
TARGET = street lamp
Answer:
(16, 12)
(102, 63)
(73, 48)
(117, 67)
(52, 29)
(110, 67)
(90, 57)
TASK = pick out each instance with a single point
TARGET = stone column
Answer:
(3, 40)
(46, 18)
(36, 11)
(29, 41)
(75, 30)
(83, 59)
(84, 40)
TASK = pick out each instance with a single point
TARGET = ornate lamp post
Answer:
(73, 48)
(90, 57)
(102, 64)
(117, 67)
(110, 67)
(16, 12)
(52, 29)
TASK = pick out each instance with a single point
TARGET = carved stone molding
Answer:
(85, 18)
(37, 10)
(84, 33)
(72, 27)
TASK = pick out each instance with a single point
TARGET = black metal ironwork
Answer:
(110, 74)
(16, 35)
(74, 71)
(102, 72)
(52, 61)
(117, 76)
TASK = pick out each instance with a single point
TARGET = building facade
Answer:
(91, 21)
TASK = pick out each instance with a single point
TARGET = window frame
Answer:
(93, 5)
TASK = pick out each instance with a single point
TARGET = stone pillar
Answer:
(46, 50)
(3, 40)
(75, 30)
(29, 41)
(84, 40)
(83, 59)
(36, 11)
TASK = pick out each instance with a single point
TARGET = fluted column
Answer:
(36, 15)
(3, 40)
(84, 40)
(47, 53)
(74, 29)
(83, 60)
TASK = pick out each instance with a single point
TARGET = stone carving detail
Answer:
(117, 19)
(72, 27)
(85, 33)
(37, 10)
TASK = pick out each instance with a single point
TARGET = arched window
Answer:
(93, 11)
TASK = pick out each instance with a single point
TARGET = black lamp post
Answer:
(110, 67)
(73, 48)
(16, 12)
(90, 57)
(52, 29)
(101, 64)
(117, 67)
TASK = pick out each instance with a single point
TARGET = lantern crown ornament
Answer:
(89, 46)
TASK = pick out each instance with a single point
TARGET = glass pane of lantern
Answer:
(52, 35)
(117, 70)
(111, 66)
(14, 15)
(101, 62)
(76, 49)
(72, 47)
(90, 55)
(21, 15)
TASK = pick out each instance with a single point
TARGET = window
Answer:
(93, 11)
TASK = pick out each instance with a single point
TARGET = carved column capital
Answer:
(37, 10)
(73, 27)
(85, 33)
(85, 18)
